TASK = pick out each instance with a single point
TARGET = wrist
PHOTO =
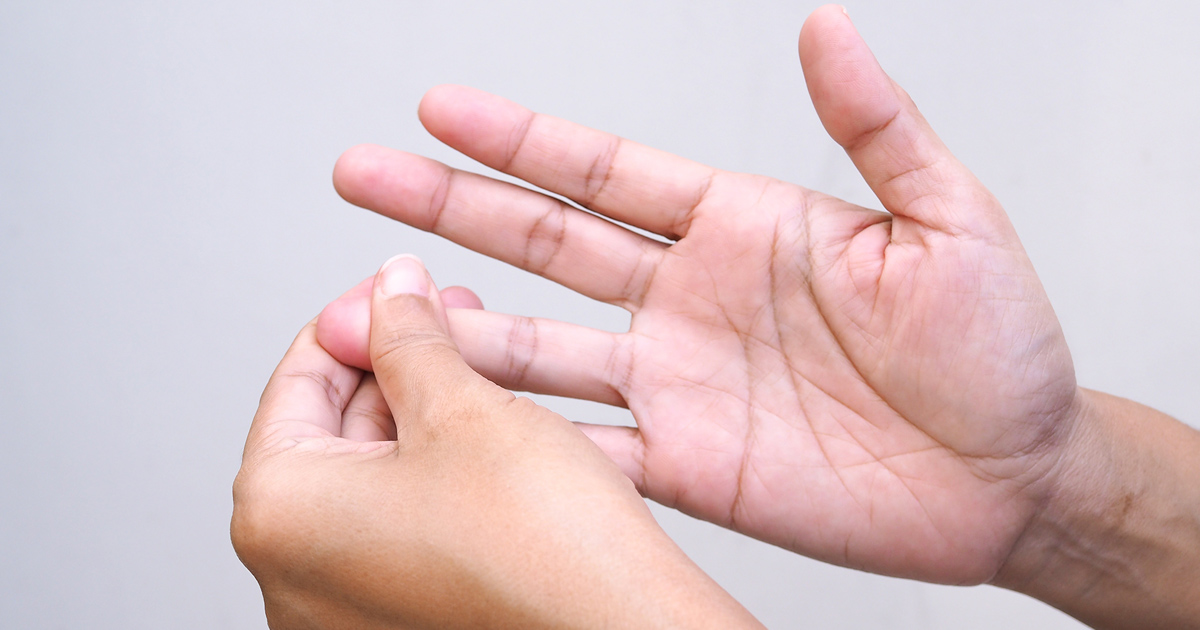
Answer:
(1117, 538)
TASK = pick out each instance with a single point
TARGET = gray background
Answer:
(167, 224)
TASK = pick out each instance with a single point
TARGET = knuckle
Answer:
(618, 368)
(521, 407)
(516, 142)
(522, 349)
(601, 172)
(641, 278)
(545, 238)
(439, 200)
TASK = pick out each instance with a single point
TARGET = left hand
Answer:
(424, 496)
(887, 391)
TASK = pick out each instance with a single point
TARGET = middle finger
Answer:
(530, 230)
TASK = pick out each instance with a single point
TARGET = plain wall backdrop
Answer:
(167, 224)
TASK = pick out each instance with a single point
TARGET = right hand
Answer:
(427, 497)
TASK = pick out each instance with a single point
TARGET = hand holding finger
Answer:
(344, 326)
(306, 395)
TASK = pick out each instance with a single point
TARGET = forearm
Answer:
(1117, 544)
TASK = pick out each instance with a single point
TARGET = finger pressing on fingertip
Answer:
(344, 326)
(417, 365)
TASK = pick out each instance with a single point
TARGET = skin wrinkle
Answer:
(904, 481)
(437, 202)
(912, 271)
(767, 184)
(1043, 563)
(442, 195)
(833, 467)
(522, 335)
(875, 458)
(872, 284)
(620, 361)
(772, 302)
(939, 185)
(1039, 443)
(380, 419)
(852, 411)
(808, 280)
(336, 396)
(639, 460)
(844, 354)
(517, 141)
(684, 223)
(973, 468)
(949, 229)
(915, 171)
(716, 389)
(842, 348)
(648, 246)
(867, 136)
(550, 228)
(736, 503)
(268, 440)
(600, 173)
(630, 300)
(1111, 567)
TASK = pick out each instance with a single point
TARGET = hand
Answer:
(886, 391)
(475, 509)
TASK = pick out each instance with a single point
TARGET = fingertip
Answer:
(819, 24)
(824, 14)
(344, 328)
(460, 297)
(439, 104)
(403, 274)
(482, 125)
(416, 362)
(358, 169)
(437, 96)
(848, 87)
(402, 277)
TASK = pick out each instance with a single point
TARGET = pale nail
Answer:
(404, 275)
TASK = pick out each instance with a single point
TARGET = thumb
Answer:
(898, 154)
(418, 367)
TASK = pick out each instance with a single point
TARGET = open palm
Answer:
(880, 390)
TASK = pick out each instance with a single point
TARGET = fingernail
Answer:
(404, 275)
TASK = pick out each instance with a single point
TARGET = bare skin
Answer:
(476, 509)
(879, 390)
(889, 391)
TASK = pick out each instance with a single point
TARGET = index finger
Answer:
(305, 396)
(623, 180)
